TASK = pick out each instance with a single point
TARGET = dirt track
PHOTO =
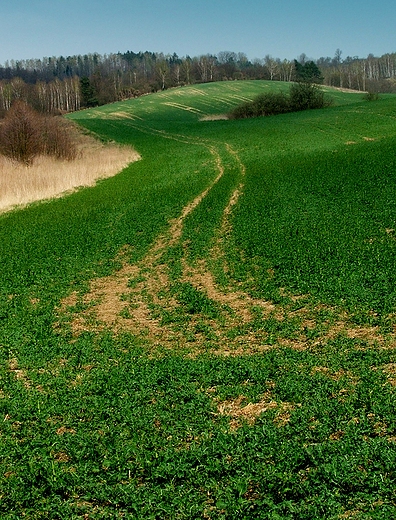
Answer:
(137, 297)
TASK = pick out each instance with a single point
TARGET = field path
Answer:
(191, 310)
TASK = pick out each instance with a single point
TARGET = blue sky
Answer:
(281, 28)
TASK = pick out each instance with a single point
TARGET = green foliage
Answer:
(307, 96)
(325, 220)
(371, 95)
(87, 92)
(267, 104)
(308, 72)
(302, 96)
(195, 302)
(142, 437)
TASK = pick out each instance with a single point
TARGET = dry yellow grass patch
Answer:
(19, 374)
(48, 177)
(390, 371)
(239, 411)
(214, 117)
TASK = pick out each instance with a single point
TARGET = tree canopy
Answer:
(308, 72)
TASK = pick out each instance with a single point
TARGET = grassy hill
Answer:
(210, 333)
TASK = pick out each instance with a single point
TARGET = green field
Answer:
(211, 333)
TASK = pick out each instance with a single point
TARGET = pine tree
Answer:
(88, 96)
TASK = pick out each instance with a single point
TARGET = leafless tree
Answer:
(20, 133)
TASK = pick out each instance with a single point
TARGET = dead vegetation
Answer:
(48, 177)
(242, 412)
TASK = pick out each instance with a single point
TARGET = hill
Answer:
(210, 333)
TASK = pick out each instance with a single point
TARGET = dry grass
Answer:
(48, 177)
(214, 117)
(239, 411)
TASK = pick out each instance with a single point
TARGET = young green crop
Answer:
(220, 404)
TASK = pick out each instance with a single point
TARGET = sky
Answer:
(279, 28)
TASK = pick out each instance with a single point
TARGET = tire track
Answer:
(112, 303)
(143, 299)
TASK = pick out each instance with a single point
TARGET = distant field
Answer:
(211, 332)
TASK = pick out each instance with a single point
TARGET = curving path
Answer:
(144, 298)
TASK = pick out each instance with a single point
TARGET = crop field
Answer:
(211, 333)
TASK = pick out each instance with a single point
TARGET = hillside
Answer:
(211, 332)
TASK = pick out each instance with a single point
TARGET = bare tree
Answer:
(186, 67)
(5, 95)
(271, 65)
(162, 69)
(20, 134)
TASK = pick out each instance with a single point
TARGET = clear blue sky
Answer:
(281, 28)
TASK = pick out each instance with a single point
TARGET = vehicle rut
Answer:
(144, 298)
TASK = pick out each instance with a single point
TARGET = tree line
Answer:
(66, 84)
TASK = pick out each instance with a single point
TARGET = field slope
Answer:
(210, 333)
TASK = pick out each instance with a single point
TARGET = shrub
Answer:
(306, 96)
(20, 135)
(57, 139)
(272, 103)
(371, 95)
(242, 111)
(25, 134)
(302, 96)
(267, 104)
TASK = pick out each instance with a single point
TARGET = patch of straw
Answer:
(48, 177)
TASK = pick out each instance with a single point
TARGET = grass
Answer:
(49, 177)
(210, 333)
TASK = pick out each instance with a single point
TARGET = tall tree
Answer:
(88, 95)
(162, 69)
(271, 66)
(308, 72)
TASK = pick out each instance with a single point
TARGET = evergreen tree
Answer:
(307, 73)
(88, 95)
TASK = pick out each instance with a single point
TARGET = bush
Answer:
(57, 139)
(20, 136)
(272, 103)
(268, 104)
(371, 95)
(302, 96)
(25, 134)
(306, 96)
(242, 111)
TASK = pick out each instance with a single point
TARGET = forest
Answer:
(66, 84)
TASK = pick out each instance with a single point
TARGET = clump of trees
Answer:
(307, 72)
(25, 134)
(301, 96)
